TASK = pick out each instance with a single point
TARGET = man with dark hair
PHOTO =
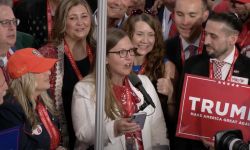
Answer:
(223, 60)
(189, 15)
(8, 24)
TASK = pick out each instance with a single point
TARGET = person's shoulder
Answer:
(196, 63)
(87, 82)
(197, 59)
(10, 102)
(173, 41)
(173, 45)
(243, 60)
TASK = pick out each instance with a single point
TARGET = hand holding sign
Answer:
(208, 106)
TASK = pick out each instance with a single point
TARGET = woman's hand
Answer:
(165, 86)
(157, 4)
(209, 145)
(124, 125)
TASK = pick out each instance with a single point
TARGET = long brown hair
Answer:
(155, 66)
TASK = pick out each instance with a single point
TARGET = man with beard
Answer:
(222, 31)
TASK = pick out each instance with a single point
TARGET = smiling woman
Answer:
(74, 47)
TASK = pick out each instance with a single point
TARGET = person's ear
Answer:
(233, 39)
(205, 15)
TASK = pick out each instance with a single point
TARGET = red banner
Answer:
(208, 106)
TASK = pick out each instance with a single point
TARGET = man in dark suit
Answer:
(189, 16)
(223, 61)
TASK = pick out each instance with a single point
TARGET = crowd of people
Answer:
(47, 67)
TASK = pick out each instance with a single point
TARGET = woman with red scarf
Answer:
(122, 100)
(28, 104)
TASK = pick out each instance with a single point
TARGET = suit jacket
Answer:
(173, 52)
(199, 65)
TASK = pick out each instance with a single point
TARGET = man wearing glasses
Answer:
(8, 24)
(8, 34)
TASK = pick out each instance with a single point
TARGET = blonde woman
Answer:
(29, 105)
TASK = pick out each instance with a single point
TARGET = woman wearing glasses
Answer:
(121, 102)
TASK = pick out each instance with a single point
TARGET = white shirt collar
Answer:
(229, 59)
(5, 59)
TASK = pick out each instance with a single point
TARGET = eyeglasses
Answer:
(139, 11)
(124, 53)
(8, 22)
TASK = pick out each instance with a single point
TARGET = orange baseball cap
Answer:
(28, 60)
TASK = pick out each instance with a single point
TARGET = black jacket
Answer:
(12, 115)
(199, 65)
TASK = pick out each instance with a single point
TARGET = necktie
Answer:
(191, 49)
(218, 69)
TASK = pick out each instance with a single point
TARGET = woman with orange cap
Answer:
(29, 105)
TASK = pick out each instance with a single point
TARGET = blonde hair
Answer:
(22, 89)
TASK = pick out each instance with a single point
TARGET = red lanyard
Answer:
(143, 67)
(49, 19)
(72, 61)
(230, 73)
(200, 48)
(50, 127)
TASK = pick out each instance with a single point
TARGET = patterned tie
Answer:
(191, 49)
(218, 69)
